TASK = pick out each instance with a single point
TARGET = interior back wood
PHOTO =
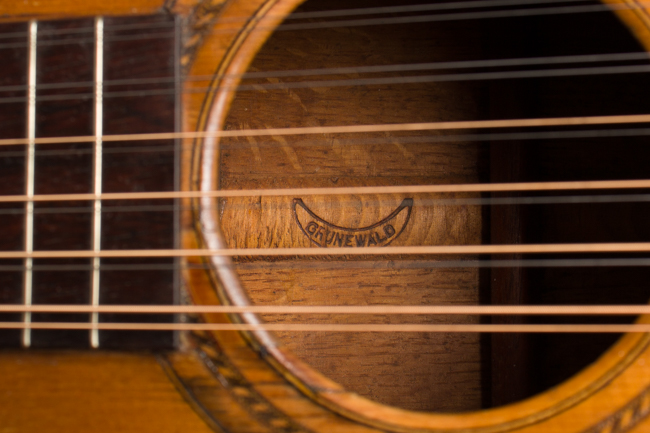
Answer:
(414, 371)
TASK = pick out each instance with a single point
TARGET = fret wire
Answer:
(29, 180)
(97, 179)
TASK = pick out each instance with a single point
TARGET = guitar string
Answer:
(483, 4)
(546, 135)
(410, 310)
(565, 248)
(494, 63)
(514, 13)
(293, 327)
(486, 201)
(349, 129)
(356, 264)
(517, 13)
(416, 79)
(492, 187)
(317, 14)
(403, 189)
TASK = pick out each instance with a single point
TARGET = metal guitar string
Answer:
(546, 135)
(320, 14)
(295, 327)
(515, 13)
(591, 58)
(357, 264)
(591, 248)
(345, 129)
(416, 79)
(403, 189)
(487, 201)
(490, 310)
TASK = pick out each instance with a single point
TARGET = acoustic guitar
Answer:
(313, 216)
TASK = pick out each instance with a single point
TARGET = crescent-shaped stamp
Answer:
(325, 234)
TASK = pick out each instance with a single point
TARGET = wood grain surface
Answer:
(102, 392)
(61, 9)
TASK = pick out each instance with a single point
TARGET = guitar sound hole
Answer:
(438, 372)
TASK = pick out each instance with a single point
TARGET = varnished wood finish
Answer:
(51, 9)
(90, 391)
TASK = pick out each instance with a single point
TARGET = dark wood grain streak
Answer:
(63, 58)
(12, 169)
(151, 169)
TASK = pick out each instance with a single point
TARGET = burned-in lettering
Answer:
(319, 233)
(311, 227)
(324, 233)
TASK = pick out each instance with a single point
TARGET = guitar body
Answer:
(319, 382)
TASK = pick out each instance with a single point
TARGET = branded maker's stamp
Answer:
(326, 234)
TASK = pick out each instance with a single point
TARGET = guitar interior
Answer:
(429, 371)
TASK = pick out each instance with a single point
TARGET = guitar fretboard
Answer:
(88, 77)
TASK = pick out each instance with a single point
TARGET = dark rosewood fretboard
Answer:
(139, 88)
